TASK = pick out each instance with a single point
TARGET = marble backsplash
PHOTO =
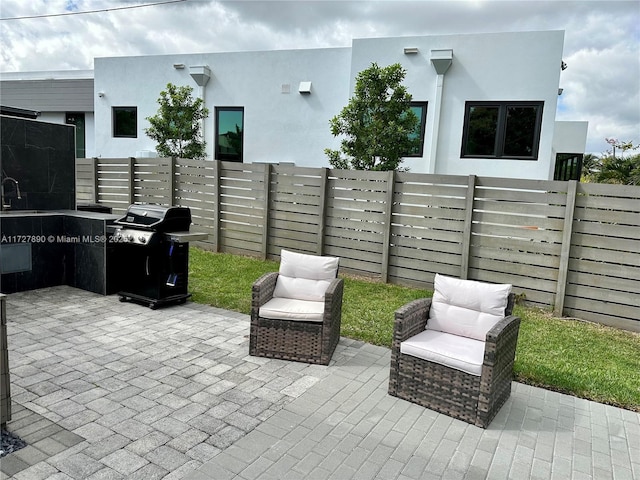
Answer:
(41, 158)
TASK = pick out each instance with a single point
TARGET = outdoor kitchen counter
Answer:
(46, 248)
(50, 213)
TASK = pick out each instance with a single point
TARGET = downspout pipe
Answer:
(201, 75)
(441, 60)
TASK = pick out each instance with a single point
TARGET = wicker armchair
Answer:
(454, 353)
(296, 312)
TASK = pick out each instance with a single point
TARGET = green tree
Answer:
(590, 166)
(378, 123)
(624, 171)
(177, 125)
(612, 168)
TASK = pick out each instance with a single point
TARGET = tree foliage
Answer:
(176, 126)
(378, 123)
(612, 168)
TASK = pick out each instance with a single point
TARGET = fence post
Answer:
(132, 195)
(567, 234)
(468, 222)
(173, 181)
(386, 243)
(216, 213)
(265, 210)
(96, 181)
(322, 213)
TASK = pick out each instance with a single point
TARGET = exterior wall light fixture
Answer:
(410, 50)
(305, 87)
(101, 94)
(178, 66)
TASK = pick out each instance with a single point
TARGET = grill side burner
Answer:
(154, 259)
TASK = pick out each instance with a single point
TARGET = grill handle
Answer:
(146, 265)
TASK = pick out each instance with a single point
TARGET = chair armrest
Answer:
(333, 296)
(332, 318)
(262, 289)
(410, 320)
(502, 327)
(502, 340)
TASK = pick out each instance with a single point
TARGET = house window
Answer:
(502, 130)
(420, 110)
(125, 122)
(229, 133)
(77, 119)
(568, 166)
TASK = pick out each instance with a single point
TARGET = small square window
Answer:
(125, 122)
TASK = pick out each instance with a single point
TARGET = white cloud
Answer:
(602, 38)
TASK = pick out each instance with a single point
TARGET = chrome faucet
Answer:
(17, 192)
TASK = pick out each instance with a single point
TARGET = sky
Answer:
(602, 38)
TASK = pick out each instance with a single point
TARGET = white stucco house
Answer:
(487, 102)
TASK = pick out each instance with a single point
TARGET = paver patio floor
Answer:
(104, 389)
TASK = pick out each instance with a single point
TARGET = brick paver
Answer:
(104, 389)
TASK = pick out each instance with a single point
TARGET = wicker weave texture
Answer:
(310, 342)
(473, 399)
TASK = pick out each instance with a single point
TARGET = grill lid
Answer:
(158, 218)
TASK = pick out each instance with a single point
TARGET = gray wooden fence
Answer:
(569, 246)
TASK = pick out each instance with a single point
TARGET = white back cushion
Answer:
(466, 307)
(305, 277)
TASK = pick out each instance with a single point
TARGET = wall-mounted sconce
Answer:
(101, 94)
(560, 90)
(305, 87)
(178, 66)
(410, 50)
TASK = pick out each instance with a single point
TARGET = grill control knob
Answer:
(142, 239)
(130, 238)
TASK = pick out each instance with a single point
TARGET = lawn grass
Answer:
(574, 357)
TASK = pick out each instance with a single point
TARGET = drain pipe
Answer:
(441, 61)
(201, 74)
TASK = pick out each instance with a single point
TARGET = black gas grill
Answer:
(153, 262)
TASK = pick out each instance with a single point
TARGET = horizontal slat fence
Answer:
(297, 209)
(603, 279)
(573, 247)
(428, 227)
(198, 190)
(517, 235)
(355, 219)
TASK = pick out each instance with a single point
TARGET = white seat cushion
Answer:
(304, 277)
(292, 309)
(466, 307)
(454, 351)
